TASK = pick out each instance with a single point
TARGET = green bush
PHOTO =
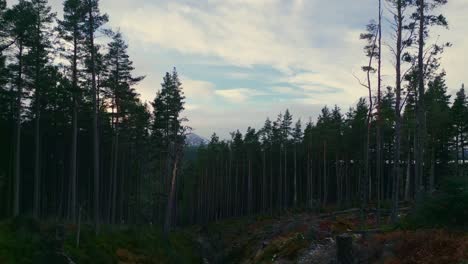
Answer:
(28, 241)
(445, 208)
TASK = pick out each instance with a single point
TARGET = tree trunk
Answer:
(432, 173)
(95, 120)
(74, 139)
(408, 175)
(280, 188)
(264, 183)
(249, 189)
(378, 175)
(463, 155)
(271, 182)
(421, 119)
(285, 179)
(171, 197)
(396, 161)
(457, 153)
(308, 178)
(295, 175)
(17, 171)
(325, 181)
(37, 132)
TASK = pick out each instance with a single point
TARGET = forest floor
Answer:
(310, 238)
(294, 237)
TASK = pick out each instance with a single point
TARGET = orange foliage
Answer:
(127, 257)
(325, 226)
(428, 246)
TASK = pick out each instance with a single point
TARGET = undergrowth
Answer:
(445, 208)
(27, 241)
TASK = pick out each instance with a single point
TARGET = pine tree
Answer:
(5, 111)
(167, 106)
(297, 139)
(119, 84)
(266, 135)
(22, 18)
(424, 19)
(167, 130)
(399, 6)
(252, 147)
(285, 128)
(438, 127)
(6, 39)
(71, 30)
(93, 21)
(40, 57)
(459, 112)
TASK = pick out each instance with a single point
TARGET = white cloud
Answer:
(247, 33)
(197, 89)
(314, 44)
(285, 90)
(239, 95)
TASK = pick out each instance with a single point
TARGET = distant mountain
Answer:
(194, 140)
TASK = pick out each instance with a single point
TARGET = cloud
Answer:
(286, 90)
(239, 95)
(311, 49)
(197, 89)
(239, 32)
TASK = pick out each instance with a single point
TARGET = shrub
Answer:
(448, 207)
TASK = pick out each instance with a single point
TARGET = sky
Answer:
(241, 61)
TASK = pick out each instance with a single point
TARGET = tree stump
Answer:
(344, 249)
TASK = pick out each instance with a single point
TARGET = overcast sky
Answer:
(244, 60)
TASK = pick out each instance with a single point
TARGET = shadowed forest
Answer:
(89, 173)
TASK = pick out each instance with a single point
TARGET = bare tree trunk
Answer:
(264, 183)
(271, 182)
(230, 200)
(379, 119)
(457, 153)
(396, 161)
(338, 182)
(171, 197)
(74, 139)
(365, 190)
(236, 190)
(421, 119)
(249, 187)
(285, 179)
(37, 130)
(295, 175)
(432, 173)
(280, 187)
(16, 198)
(463, 155)
(408, 175)
(95, 120)
(325, 181)
(308, 178)
(114, 177)
(78, 232)
(109, 215)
